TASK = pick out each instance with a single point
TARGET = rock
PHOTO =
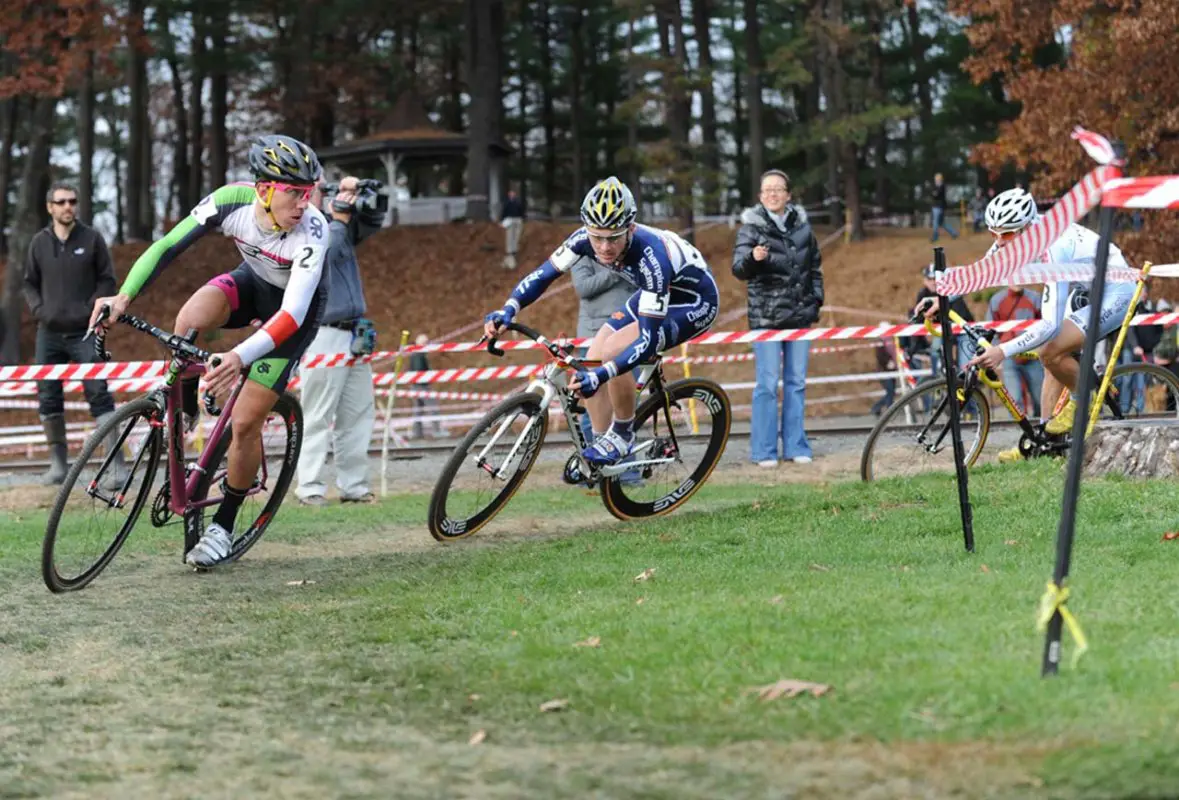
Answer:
(1136, 450)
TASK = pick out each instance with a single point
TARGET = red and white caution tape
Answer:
(1159, 191)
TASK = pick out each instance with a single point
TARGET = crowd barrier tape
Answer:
(154, 369)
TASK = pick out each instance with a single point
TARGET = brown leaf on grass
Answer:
(756, 505)
(667, 537)
(557, 704)
(513, 634)
(301, 583)
(640, 601)
(985, 568)
(473, 698)
(788, 687)
(593, 641)
(820, 568)
(477, 737)
(645, 575)
(1011, 542)
(777, 600)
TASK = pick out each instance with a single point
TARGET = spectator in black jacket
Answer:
(67, 267)
(776, 253)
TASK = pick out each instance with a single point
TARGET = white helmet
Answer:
(1012, 210)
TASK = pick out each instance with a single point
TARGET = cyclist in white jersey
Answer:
(1064, 306)
(282, 239)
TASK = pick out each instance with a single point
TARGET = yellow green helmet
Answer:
(609, 205)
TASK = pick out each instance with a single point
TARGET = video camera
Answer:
(370, 206)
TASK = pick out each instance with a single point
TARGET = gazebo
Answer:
(407, 137)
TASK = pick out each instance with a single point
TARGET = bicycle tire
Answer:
(711, 396)
(1161, 374)
(289, 410)
(441, 526)
(930, 387)
(54, 580)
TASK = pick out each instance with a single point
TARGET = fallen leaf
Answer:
(513, 634)
(593, 641)
(1010, 542)
(788, 687)
(301, 583)
(477, 737)
(645, 575)
(777, 600)
(472, 698)
(667, 537)
(640, 601)
(756, 505)
(820, 568)
(985, 568)
(554, 705)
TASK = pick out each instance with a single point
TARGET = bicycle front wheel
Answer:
(487, 467)
(913, 436)
(1143, 392)
(101, 498)
(672, 460)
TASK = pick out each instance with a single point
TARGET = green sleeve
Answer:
(207, 215)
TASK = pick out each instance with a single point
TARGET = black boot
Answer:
(55, 435)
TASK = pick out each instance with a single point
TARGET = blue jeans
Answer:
(1016, 373)
(774, 361)
(939, 221)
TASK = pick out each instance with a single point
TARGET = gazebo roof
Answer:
(406, 131)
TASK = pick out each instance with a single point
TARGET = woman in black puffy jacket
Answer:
(777, 255)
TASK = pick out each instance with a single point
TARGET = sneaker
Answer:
(768, 463)
(802, 459)
(367, 497)
(1062, 422)
(1010, 456)
(213, 547)
(313, 500)
(607, 449)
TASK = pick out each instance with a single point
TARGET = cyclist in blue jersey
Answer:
(676, 300)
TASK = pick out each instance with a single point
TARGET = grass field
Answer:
(350, 656)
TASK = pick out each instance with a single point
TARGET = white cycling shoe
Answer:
(212, 549)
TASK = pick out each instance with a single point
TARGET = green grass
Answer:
(367, 677)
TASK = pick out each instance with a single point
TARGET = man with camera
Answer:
(338, 401)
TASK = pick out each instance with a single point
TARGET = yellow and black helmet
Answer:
(284, 159)
(609, 205)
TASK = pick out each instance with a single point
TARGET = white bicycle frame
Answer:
(549, 385)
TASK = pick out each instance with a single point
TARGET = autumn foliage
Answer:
(1120, 78)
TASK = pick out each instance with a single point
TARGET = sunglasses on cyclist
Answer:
(302, 191)
(69, 201)
(597, 238)
(1005, 236)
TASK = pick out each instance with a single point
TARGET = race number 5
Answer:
(652, 304)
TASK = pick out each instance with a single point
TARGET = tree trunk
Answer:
(1133, 450)
(196, 113)
(86, 142)
(753, 59)
(917, 50)
(486, 105)
(879, 97)
(9, 111)
(301, 41)
(112, 117)
(576, 73)
(845, 146)
(180, 172)
(633, 163)
(457, 187)
(677, 109)
(710, 148)
(739, 127)
(219, 95)
(30, 216)
(139, 153)
(547, 117)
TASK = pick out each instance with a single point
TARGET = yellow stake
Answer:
(388, 414)
(688, 374)
(1116, 351)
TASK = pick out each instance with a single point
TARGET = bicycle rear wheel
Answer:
(700, 417)
(1143, 392)
(498, 453)
(282, 438)
(94, 513)
(913, 436)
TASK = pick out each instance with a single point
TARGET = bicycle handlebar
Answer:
(179, 345)
(556, 350)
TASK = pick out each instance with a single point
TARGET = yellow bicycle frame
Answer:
(985, 376)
